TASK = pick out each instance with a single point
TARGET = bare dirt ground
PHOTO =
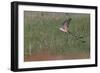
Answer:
(46, 56)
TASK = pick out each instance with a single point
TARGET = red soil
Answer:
(46, 56)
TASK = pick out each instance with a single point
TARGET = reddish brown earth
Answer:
(46, 56)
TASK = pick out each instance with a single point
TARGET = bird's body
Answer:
(65, 29)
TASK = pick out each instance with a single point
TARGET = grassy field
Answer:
(42, 34)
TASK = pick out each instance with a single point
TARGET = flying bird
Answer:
(65, 28)
(65, 25)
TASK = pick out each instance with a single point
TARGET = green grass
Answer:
(41, 31)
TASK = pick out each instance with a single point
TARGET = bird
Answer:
(65, 28)
(65, 25)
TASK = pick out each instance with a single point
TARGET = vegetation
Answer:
(41, 32)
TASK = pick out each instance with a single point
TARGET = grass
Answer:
(41, 31)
